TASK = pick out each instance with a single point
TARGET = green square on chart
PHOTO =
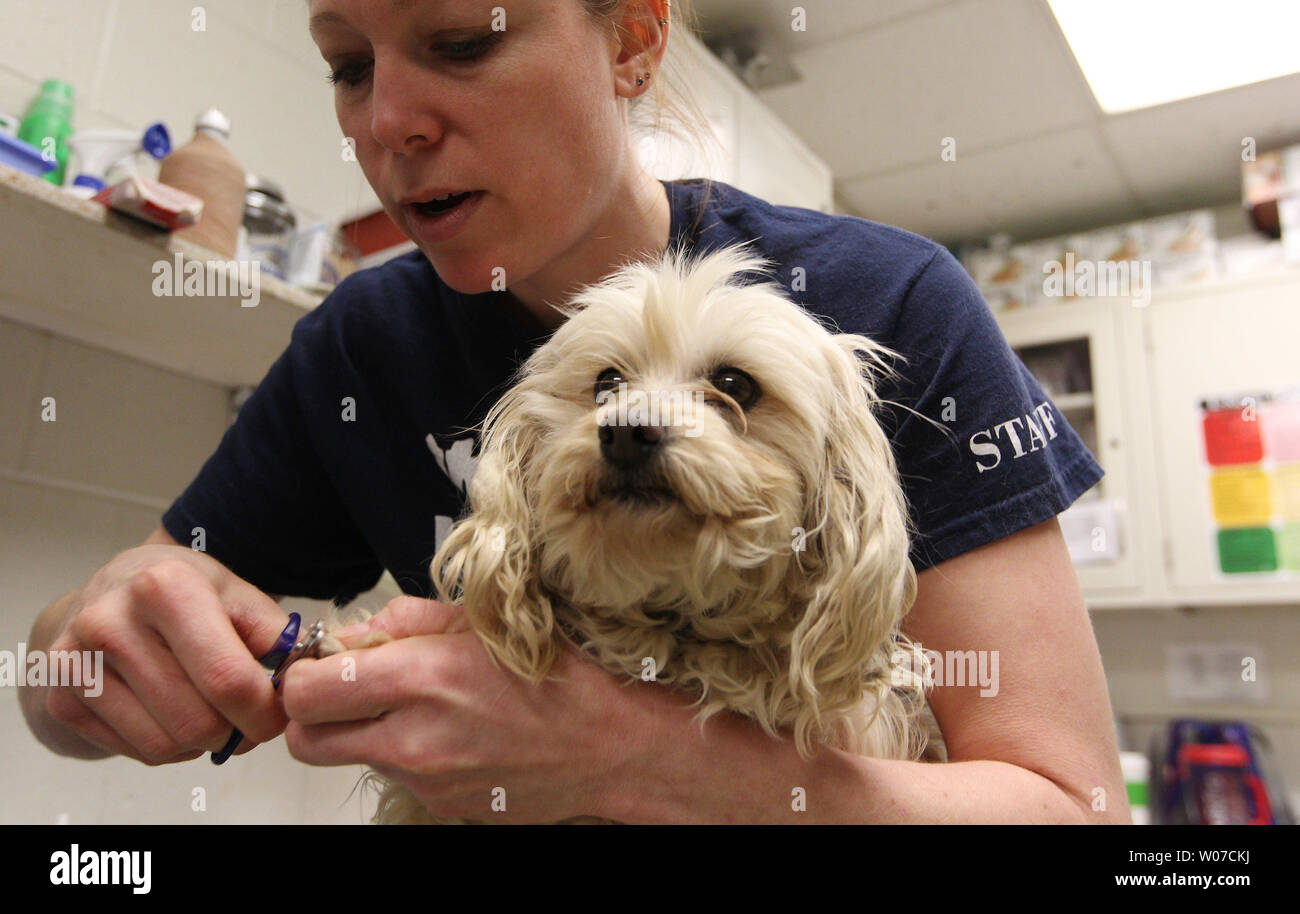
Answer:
(1244, 549)
(1288, 546)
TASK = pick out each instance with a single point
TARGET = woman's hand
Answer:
(179, 635)
(432, 711)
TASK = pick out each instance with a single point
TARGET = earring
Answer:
(640, 81)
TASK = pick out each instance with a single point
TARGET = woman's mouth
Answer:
(443, 204)
(437, 220)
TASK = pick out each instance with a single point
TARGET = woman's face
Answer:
(437, 100)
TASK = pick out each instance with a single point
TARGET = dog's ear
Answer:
(488, 561)
(856, 552)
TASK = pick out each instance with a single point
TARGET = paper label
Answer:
(1251, 448)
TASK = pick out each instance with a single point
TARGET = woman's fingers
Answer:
(210, 648)
(351, 743)
(406, 617)
(117, 721)
(161, 686)
(364, 684)
(177, 635)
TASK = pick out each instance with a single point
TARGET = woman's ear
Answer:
(863, 582)
(488, 561)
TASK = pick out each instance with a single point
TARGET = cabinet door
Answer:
(754, 152)
(667, 155)
(1074, 352)
(775, 165)
(1225, 368)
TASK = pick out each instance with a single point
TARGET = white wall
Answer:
(73, 493)
(130, 437)
(750, 148)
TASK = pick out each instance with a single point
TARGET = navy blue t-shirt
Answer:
(354, 452)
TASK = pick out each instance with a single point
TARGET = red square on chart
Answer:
(1232, 436)
(1281, 420)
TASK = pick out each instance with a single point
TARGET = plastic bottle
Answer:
(206, 168)
(107, 156)
(49, 117)
(1137, 777)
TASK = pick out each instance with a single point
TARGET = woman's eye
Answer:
(736, 384)
(467, 51)
(608, 380)
(350, 75)
(471, 49)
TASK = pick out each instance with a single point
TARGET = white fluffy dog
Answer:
(688, 479)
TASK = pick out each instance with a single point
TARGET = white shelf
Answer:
(75, 269)
(1076, 401)
(1164, 295)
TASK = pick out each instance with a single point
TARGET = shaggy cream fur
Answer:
(757, 559)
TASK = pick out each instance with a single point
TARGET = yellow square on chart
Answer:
(1241, 497)
(1288, 490)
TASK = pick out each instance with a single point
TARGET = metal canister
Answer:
(270, 222)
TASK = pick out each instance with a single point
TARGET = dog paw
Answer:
(333, 644)
(350, 634)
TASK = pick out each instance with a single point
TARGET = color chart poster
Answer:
(1252, 453)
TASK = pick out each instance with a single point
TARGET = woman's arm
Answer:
(1039, 751)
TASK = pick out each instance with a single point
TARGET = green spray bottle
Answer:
(48, 125)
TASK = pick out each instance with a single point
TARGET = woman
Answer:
(351, 447)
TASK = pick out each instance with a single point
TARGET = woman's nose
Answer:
(402, 113)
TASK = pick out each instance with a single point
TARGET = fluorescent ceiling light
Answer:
(1139, 53)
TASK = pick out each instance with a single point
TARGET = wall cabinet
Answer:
(1191, 403)
(1225, 380)
(1077, 355)
(758, 153)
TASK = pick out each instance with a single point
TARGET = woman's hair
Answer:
(671, 104)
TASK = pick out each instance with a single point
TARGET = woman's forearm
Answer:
(733, 773)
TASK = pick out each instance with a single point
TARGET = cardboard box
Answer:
(1002, 277)
(1263, 180)
(1288, 211)
(1059, 263)
(1183, 248)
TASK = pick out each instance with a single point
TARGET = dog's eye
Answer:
(609, 379)
(736, 384)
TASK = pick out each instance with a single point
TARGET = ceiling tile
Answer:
(1188, 154)
(984, 72)
(1036, 188)
(822, 17)
(886, 80)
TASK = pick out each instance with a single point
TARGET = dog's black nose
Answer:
(628, 446)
